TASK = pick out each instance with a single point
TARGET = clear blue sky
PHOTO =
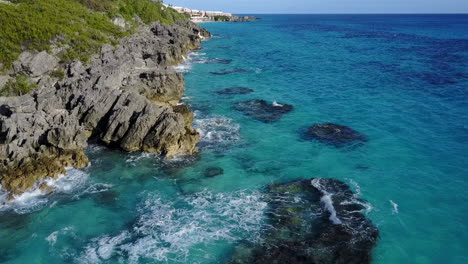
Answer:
(326, 6)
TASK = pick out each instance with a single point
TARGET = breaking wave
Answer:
(37, 198)
(216, 132)
(327, 201)
(192, 58)
(170, 230)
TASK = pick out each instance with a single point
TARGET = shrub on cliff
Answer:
(19, 86)
(148, 10)
(34, 24)
(81, 27)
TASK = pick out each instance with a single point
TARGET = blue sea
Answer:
(401, 80)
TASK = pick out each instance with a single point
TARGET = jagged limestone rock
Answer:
(126, 96)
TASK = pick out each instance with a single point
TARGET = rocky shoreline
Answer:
(127, 97)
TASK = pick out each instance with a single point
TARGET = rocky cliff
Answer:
(127, 96)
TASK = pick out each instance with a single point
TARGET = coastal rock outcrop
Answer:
(312, 221)
(333, 134)
(262, 111)
(126, 96)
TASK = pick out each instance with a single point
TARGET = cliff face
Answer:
(125, 97)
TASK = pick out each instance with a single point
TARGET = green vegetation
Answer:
(148, 11)
(59, 74)
(221, 18)
(79, 26)
(33, 24)
(19, 86)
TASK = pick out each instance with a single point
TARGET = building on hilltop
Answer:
(200, 15)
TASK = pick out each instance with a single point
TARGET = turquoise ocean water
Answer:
(401, 80)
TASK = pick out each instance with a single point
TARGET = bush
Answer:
(221, 18)
(97, 5)
(21, 85)
(149, 11)
(58, 74)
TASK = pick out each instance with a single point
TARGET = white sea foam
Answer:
(394, 207)
(36, 198)
(167, 230)
(327, 201)
(276, 104)
(94, 148)
(356, 198)
(357, 188)
(134, 158)
(192, 58)
(52, 238)
(217, 131)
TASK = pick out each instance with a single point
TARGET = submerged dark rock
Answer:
(230, 71)
(108, 198)
(213, 172)
(318, 221)
(235, 90)
(263, 111)
(219, 61)
(334, 134)
(212, 61)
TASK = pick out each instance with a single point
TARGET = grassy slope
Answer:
(80, 26)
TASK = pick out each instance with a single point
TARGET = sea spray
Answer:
(37, 198)
(326, 199)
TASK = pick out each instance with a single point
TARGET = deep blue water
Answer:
(402, 80)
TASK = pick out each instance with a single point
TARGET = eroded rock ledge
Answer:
(125, 97)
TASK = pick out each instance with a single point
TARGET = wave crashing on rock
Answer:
(312, 221)
(262, 111)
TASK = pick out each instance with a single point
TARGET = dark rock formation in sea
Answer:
(263, 111)
(317, 221)
(126, 96)
(213, 172)
(235, 90)
(333, 134)
(229, 71)
(218, 61)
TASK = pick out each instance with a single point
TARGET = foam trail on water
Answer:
(52, 238)
(167, 231)
(327, 201)
(357, 194)
(133, 159)
(394, 207)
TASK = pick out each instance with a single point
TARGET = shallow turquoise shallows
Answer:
(402, 80)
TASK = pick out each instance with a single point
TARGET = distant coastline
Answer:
(202, 16)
